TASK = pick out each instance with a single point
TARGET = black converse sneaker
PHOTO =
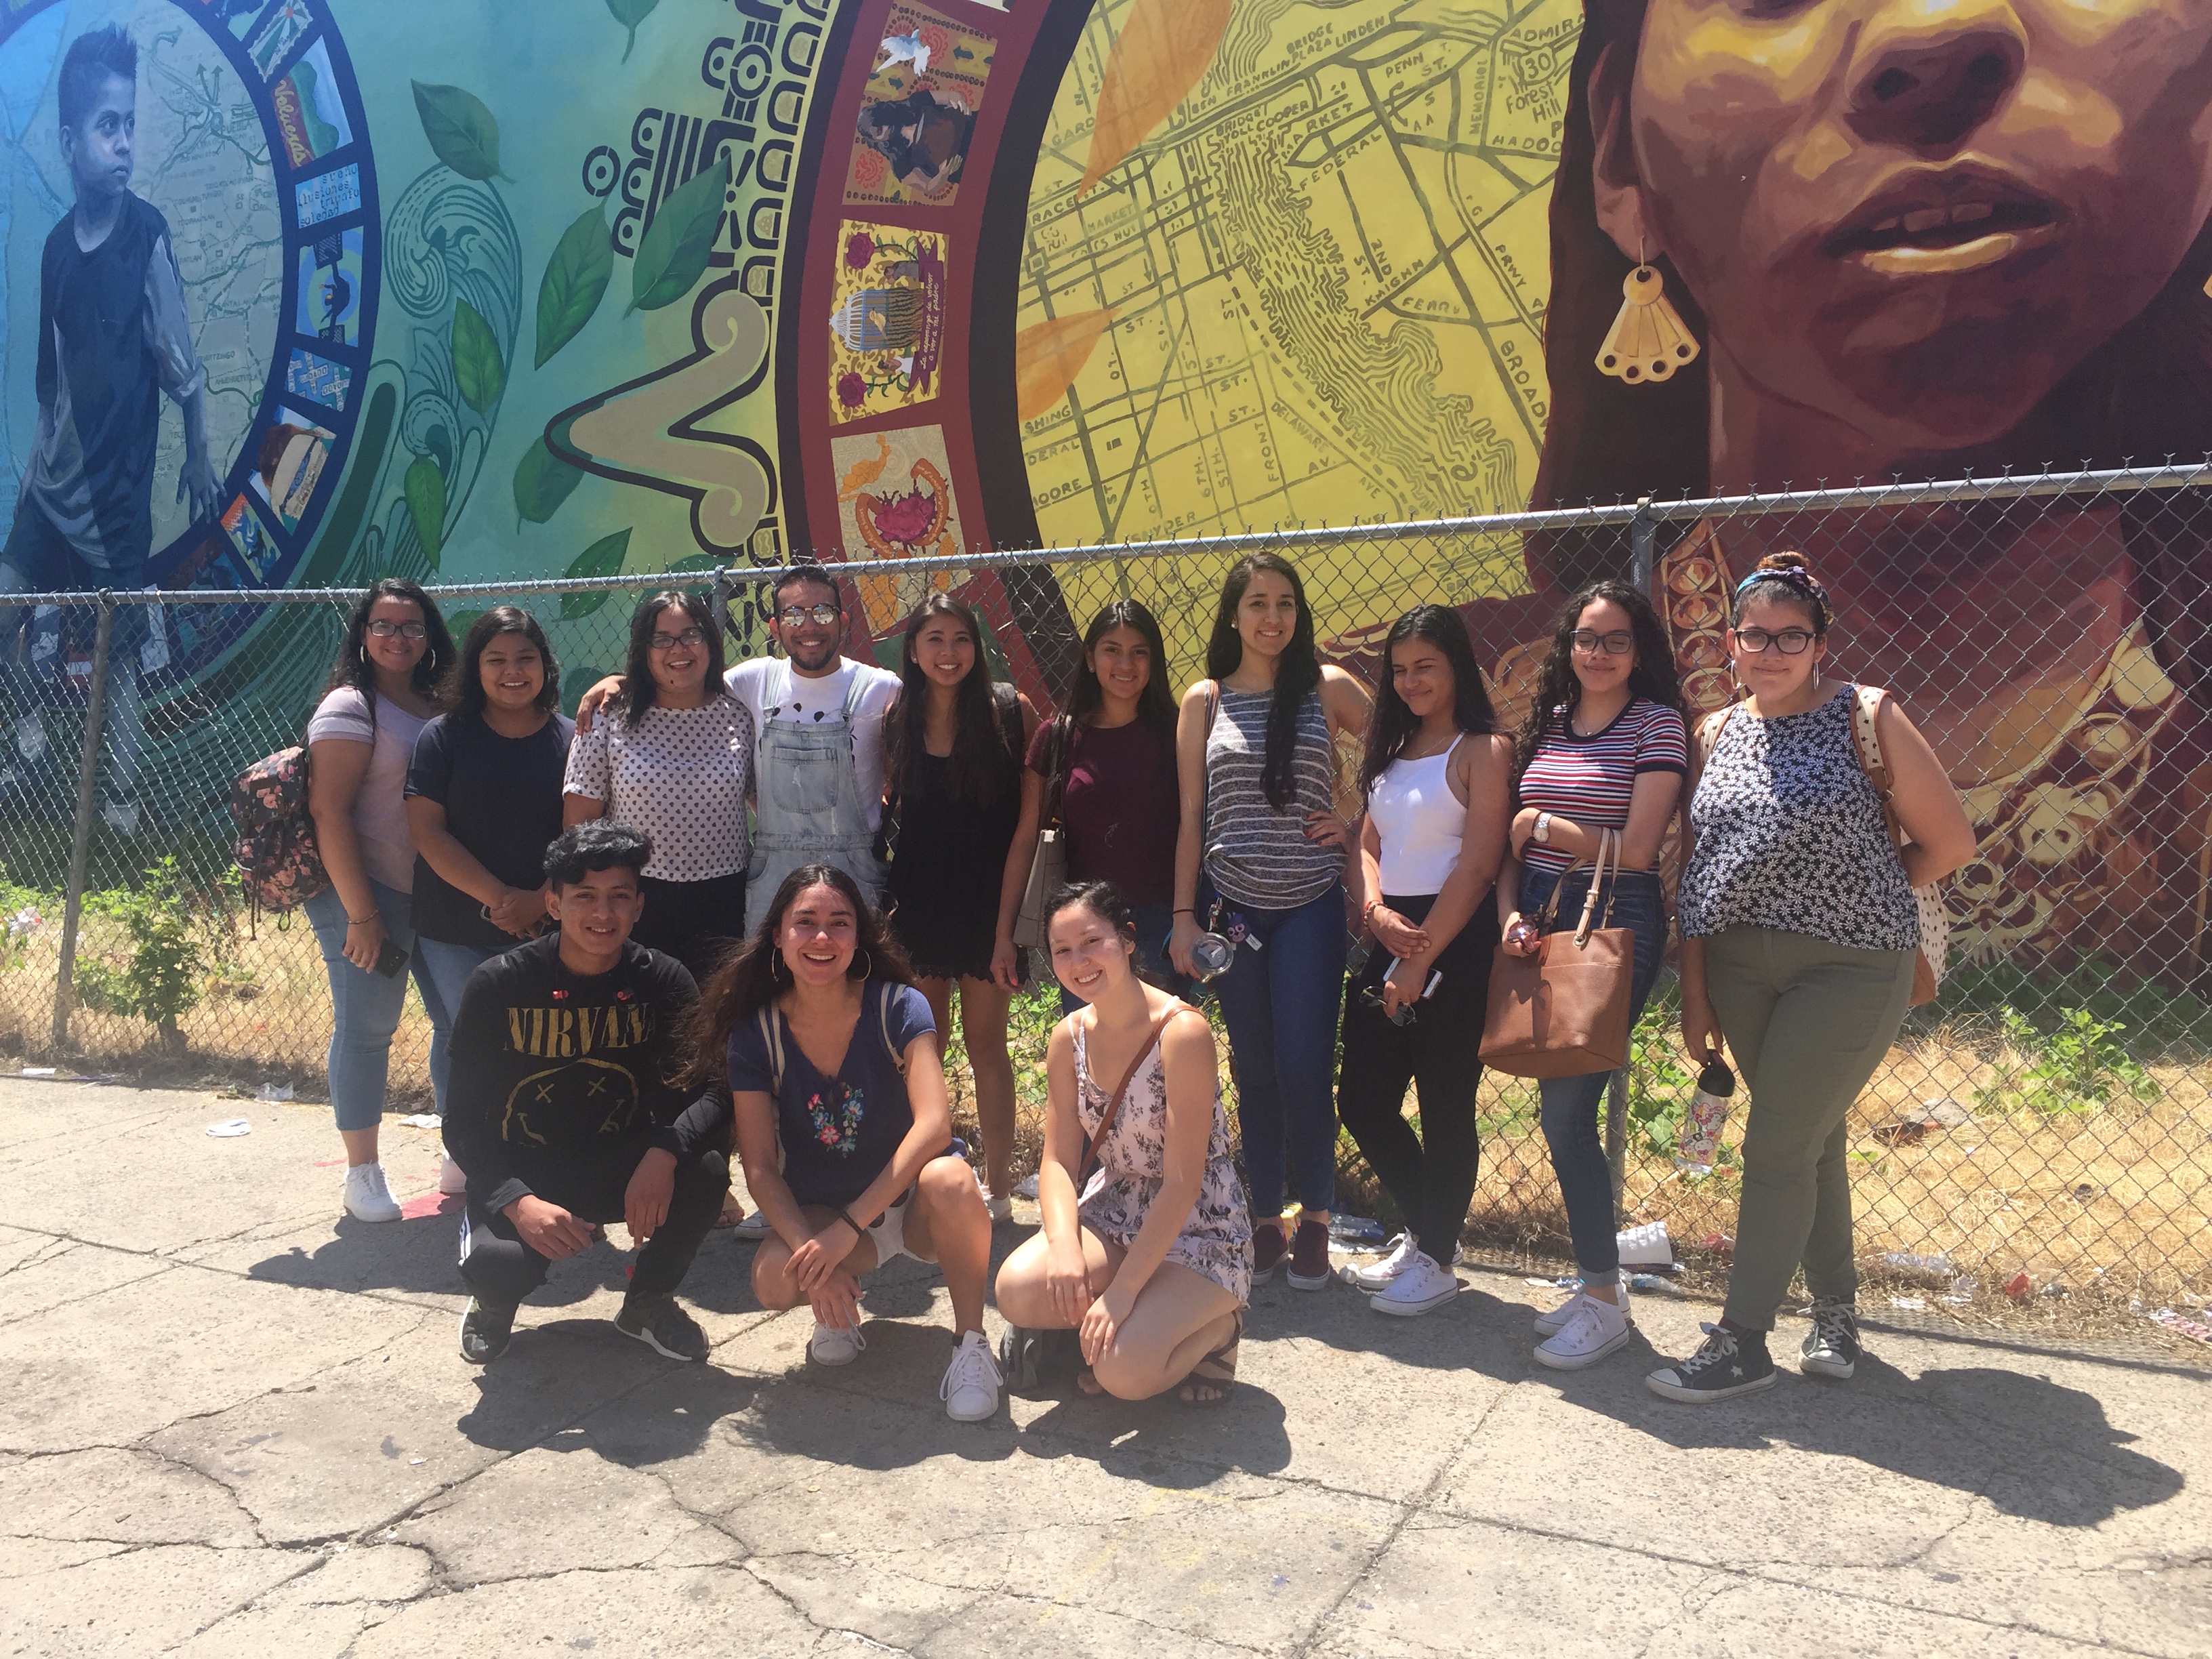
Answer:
(1831, 1346)
(1729, 1364)
(658, 1322)
(485, 1332)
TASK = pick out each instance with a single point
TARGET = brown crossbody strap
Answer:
(1097, 1137)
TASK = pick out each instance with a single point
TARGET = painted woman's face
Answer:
(1915, 216)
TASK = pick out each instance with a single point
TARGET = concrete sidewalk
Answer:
(238, 1425)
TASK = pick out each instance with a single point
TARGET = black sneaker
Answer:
(485, 1332)
(1831, 1346)
(658, 1322)
(1729, 1363)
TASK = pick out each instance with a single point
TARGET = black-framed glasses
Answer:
(820, 615)
(693, 636)
(1791, 641)
(1591, 643)
(384, 631)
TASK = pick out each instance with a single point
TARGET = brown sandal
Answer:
(1217, 1370)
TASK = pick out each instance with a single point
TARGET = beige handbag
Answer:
(1935, 920)
(1563, 1010)
(1048, 866)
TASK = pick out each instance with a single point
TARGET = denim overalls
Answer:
(808, 806)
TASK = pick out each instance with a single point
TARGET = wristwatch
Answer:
(1542, 832)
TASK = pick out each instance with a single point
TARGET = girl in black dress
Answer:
(952, 780)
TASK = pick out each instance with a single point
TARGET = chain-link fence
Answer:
(2048, 1114)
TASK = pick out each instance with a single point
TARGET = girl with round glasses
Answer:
(1799, 934)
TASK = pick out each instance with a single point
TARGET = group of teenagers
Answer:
(728, 911)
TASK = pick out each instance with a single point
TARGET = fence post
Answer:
(87, 777)
(1643, 538)
(718, 607)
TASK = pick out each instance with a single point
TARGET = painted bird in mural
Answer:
(907, 49)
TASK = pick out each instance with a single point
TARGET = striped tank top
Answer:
(1256, 855)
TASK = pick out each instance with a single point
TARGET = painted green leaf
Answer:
(629, 13)
(574, 282)
(603, 558)
(478, 368)
(577, 681)
(458, 624)
(674, 248)
(461, 131)
(542, 482)
(425, 490)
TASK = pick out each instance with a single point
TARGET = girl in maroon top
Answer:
(1115, 747)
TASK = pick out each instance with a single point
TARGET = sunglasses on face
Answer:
(820, 615)
(694, 637)
(1791, 641)
(1589, 642)
(384, 630)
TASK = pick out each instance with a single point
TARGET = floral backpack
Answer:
(278, 860)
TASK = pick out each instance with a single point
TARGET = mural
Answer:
(669, 283)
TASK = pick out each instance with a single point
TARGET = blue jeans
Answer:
(446, 969)
(1281, 998)
(365, 1008)
(1570, 1104)
(1154, 922)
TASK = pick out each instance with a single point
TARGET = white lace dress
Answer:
(1217, 1238)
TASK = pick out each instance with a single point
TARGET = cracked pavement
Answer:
(238, 1426)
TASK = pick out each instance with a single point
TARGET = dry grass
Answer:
(2115, 1202)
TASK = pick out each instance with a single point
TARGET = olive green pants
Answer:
(1807, 1021)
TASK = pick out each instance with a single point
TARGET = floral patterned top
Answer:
(1217, 1239)
(1791, 836)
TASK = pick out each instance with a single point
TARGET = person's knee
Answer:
(772, 1286)
(703, 1178)
(951, 1186)
(1126, 1375)
(1021, 1294)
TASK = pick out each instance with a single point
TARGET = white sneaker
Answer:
(755, 1225)
(1001, 1209)
(451, 1177)
(367, 1197)
(1422, 1287)
(970, 1388)
(1548, 1324)
(1378, 1275)
(829, 1346)
(1594, 1329)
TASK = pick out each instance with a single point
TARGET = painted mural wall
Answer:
(580, 286)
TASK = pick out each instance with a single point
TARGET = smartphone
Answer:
(390, 961)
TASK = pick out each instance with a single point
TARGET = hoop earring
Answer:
(1648, 340)
(778, 971)
(871, 972)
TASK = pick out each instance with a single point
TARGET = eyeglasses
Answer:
(1589, 642)
(384, 630)
(1791, 641)
(694, 637)
(820, 615)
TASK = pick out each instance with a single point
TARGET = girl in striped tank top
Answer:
(1261, 852)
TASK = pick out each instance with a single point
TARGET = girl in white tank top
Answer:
(1437, 782)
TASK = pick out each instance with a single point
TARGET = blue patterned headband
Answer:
(1788, 576)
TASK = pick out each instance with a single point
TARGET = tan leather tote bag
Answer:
(1564, 1012)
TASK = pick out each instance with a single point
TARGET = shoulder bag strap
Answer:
(771, 1031)
(1056, 749)
(1866, 741)
(884, 1024)
(1114, 1106)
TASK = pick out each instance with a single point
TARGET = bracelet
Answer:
(1184, 911)
(1367, 912)
(362, 921)
(858, 1231)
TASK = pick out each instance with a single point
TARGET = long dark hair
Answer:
(1393, 725)
(1297, 671)
(1156, 703)
(640, 690)
(749, 978)
(982, 769)
(464, 691)
(353, 666)
(1557, 689)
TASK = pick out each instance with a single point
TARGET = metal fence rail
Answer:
(2049, 1115)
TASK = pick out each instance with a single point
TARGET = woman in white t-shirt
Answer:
(672, 756)
(382, 693)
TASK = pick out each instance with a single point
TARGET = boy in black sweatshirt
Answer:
(560, 1110)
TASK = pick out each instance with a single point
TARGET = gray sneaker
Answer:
(485, 1332)
(658, 1322)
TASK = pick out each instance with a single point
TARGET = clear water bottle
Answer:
(1707, 1116)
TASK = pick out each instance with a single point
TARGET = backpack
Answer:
(771, 1021)
(278, 863)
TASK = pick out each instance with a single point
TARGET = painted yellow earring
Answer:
(1648, 340)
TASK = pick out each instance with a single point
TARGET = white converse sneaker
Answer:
(829, 1346)
(1380, 1275)
(451, 1178)
(970, 1388)
(1548, 1324)
(367, 1197)
(1421, 1287)
(1594, 1329)
(755, 1225)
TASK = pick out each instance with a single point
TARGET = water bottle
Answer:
(1707, 1116)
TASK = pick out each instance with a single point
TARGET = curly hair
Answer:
(353, 666)
(1558, 689)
